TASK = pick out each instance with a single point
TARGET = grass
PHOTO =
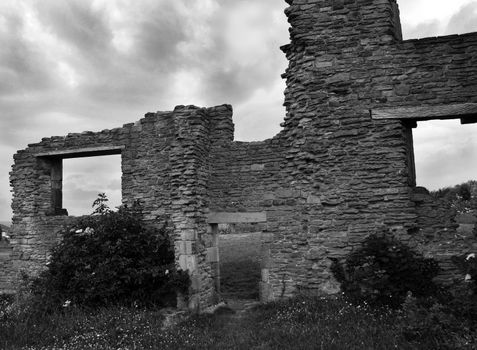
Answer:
(301, 323)
(239, 279)
(240, 265)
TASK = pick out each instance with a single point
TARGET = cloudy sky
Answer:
(70, 66)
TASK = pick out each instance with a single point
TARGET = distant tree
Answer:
(100, 205)
(462, 197)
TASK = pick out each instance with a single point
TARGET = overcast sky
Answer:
(76, 65)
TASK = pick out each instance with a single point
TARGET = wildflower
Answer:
(468, 278)
(167, 272)
(67, 303)
(79, 231)
(470, 256)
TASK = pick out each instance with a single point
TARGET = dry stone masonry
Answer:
(341, 168)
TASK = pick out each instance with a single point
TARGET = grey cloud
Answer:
(445, 169)
(87, 166)
(80, 189)
(422, 30)
(117, 87)
(445, 153)
(5, 210)
(465, 20)
(76, 22)
(23, 68)
(235, 85)
(78, 201)
(113, 185)
(107, 75)
(157, 37)
(230, 79)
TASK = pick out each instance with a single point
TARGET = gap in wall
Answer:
(240, 256)
(445, 153)
(85, 178)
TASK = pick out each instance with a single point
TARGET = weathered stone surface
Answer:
(331, 177)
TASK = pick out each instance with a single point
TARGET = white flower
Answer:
(79, 231)
(67, 303)
(468, 278)
(470, 256)
(167, 272)
(89, 230)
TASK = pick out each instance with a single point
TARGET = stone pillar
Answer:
(189, 157)
(213, 257)
(266, 291)
(56, 185)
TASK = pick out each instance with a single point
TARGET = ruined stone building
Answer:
(341, 168)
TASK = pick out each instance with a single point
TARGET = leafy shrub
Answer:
(111, 258)
(6, 300)
(463, 197)
(383, 270)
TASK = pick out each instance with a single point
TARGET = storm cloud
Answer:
(70, 66)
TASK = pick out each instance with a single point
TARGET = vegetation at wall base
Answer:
(111, 258)
(299, 323)
(383, 271)
(462, 197)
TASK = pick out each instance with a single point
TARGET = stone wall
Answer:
(334, 174)
(164, 160)
(337, 172)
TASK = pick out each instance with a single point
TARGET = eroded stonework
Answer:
(341, 168)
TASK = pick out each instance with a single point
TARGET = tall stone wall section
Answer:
(165, 165)
(347, 58)
(334, 175)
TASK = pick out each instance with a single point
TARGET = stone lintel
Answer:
(82, 152)
(237, 217)
(466, 111)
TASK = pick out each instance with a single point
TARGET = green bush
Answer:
(435, 321)
(111, 258)
(383, 270)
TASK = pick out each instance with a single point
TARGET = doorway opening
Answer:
(240, 256)
(237, 266)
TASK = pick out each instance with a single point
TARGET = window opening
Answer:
(240, 256)
(85, 178)
(445, 153)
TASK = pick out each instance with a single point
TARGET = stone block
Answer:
(266, 292)
(257, 167)
(321, 64)
(185, 247)
(312, 199)
(266, 237)
(188, 262)
(265, 275)
(316, 253)
(212, 254)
